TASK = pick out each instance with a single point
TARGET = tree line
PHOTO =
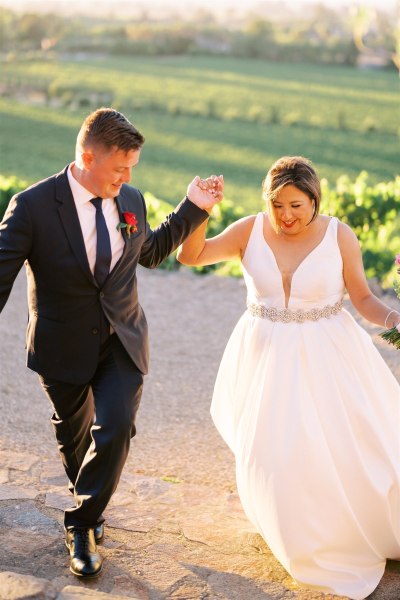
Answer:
(322, 35)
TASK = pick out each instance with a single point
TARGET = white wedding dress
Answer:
(312, 414)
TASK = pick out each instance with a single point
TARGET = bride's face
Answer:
(293, 210)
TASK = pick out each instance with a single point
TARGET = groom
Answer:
(82, 233)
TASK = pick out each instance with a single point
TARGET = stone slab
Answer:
(17, 460)
(4, 476)
(25, 529)
(122, 498)
(239, 587)
(14, 586)
(131, 587)
(53, 473)
(22, 544)
(27, 517)
(145, 488)
(13, 492)
(59, 500)
(73, 592)
(130, 518)
(168, 572)
(211, 526)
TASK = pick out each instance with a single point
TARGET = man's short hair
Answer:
(108, 128)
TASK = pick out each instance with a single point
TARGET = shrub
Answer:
(369, 125)
(231, 114)
(257, 114)
(291, 119)
(274, 115)
(8, 187)
(373, 213)
(223, 214)
(371, 210)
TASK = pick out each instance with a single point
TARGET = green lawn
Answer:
(199, 116)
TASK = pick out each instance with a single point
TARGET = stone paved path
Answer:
(175, 528)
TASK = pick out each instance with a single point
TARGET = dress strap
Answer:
(254, 237)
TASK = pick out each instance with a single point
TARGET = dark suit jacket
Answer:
(41, 227)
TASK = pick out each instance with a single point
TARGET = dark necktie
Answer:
(103, 247)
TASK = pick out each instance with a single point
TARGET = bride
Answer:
(302, 397)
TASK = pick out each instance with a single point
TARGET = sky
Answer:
(219, 5)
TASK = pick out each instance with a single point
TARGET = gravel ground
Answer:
(199, 545)
(190, 319)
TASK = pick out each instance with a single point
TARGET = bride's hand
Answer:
(206, 192)
(213, 185)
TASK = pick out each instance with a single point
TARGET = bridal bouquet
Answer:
(393, 335)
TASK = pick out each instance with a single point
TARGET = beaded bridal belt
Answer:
(286, 315)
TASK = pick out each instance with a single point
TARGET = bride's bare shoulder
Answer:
(243, 225)
(247, 222)
(243, 229)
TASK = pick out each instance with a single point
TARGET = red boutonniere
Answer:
(130, 223)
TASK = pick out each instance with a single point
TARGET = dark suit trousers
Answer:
(94, 423)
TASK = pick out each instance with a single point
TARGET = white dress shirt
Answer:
(87, 220)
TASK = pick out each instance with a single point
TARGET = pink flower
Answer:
(397, 259)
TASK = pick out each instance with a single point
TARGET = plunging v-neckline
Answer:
(287, 299)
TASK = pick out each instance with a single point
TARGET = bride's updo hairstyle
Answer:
(291, 170)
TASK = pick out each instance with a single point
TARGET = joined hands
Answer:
(205, 193)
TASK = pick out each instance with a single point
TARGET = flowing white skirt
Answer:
(312, 414)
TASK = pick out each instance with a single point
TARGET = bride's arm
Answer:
(367, 304)
(196, 250)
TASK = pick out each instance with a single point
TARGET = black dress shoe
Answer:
(85, 560)
(99, 533)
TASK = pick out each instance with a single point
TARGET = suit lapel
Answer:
(120, 202)
(124, 204)
(70, 222)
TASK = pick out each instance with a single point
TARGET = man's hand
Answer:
(205, 193)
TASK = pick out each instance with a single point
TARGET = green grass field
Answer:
(211, 115)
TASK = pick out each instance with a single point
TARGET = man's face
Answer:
(106, 171)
